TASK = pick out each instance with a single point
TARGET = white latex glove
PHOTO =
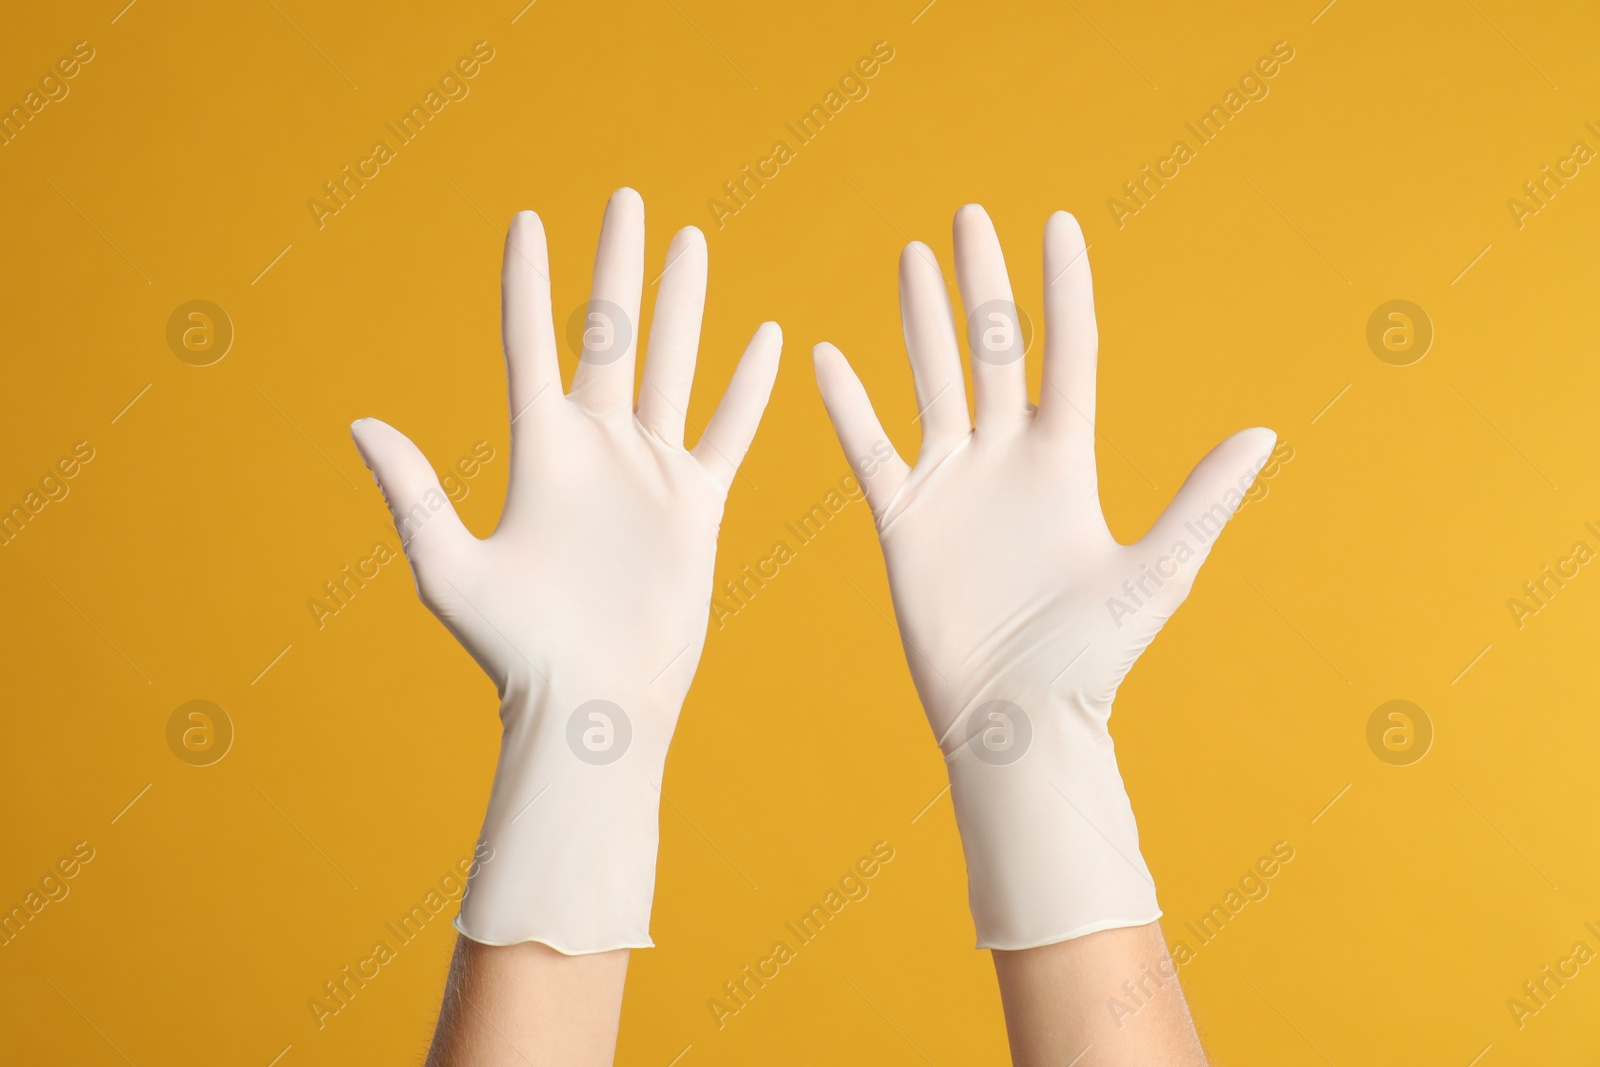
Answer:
(1019, 612)
(588, 604)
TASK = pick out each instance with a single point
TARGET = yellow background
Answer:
(1378, 568)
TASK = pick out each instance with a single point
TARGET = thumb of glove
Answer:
(423, 516)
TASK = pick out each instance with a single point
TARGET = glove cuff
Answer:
(1051, 844)
(569, 841)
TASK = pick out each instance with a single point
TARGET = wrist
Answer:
(1051, 844)
(572, 821)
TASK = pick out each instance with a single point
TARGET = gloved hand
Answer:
(1019, 612)
(588, 605)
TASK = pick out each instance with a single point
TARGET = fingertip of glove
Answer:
(690, 233)
(1255, 445)
(1265, 437)
(1063, 220)
(365, 431)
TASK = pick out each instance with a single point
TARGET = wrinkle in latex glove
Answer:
(1020, 614)
(587, 606)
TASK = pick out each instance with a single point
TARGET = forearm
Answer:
(560, 889)
(1060, 892)
(1108, 999)
(528, 1004)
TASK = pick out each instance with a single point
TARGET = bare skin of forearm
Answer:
(1069, 1000)
(528, 1004)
